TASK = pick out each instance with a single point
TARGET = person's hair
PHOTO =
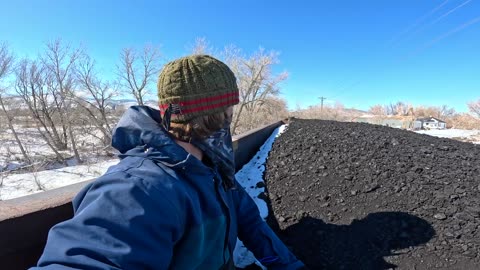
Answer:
(199, 127)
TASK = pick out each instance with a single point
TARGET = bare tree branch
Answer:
(6, 60)
(137, 70)
(60, 61)
(99, 93)
(255, 80)
(31, 87)
(377, 110)
(6, 63)
(474, 107)
(201, 46)
(12, 128)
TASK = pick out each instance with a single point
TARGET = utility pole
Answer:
(321, 106)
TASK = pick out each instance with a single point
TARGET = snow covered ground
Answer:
(11, 157)
(449, 133)
(22, 184)
(18, 185)
(459, 134)
(18, 178)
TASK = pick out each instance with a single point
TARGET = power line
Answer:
(450, 11)
(407, 33)
(438, 19)
(447, 34)
(397, 38)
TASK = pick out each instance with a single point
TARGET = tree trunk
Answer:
(67, 116)
(59, 156)
(74, 144)
(57, 140)
(237, 118)
(140, 98)
(10, 125)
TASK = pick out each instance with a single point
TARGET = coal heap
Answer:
(361, 196)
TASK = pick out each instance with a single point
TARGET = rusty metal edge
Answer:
(252, 131)
(25, 205)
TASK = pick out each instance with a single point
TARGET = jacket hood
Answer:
(140, 132)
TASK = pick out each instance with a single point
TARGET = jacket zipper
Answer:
(218, 186)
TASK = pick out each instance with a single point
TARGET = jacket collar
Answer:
(140, 133)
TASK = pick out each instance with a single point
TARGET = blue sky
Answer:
(359, 53)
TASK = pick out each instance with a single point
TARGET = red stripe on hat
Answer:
(211, 106)
(202, 100)
(206, 107)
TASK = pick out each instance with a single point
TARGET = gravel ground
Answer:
(360, 196)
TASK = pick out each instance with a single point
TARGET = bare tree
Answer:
(136, 70)
(201, 46)
(399, 108)
(255, 79)
(6, 60)
(337, 111)
(377, 110)
(6, 63)
(391, 109)
(60, 61)
(96, 100)
(46, 87)
(441, 112)
(465, 121)
(445, 111)
(4, 104)
(31, 87)
(36, 180)
(474, 107)
(274, 109)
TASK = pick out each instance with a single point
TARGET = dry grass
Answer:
(464, 121)
(336, 112)
(274, 109)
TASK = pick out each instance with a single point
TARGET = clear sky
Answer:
(359, 53)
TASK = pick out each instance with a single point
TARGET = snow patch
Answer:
(18, 185)
(249, 176)
(450, 133)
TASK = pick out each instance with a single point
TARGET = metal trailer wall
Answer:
(25, 221)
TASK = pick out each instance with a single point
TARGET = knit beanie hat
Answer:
(195, 86)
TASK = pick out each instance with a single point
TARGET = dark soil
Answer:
(361, 196)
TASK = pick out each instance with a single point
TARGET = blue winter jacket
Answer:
(159, 208)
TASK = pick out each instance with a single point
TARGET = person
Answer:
(172, 202)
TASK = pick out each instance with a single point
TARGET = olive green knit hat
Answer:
(195, 86)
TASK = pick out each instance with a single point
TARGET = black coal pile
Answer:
(360, 196)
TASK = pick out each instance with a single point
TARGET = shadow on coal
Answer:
(361, 245)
